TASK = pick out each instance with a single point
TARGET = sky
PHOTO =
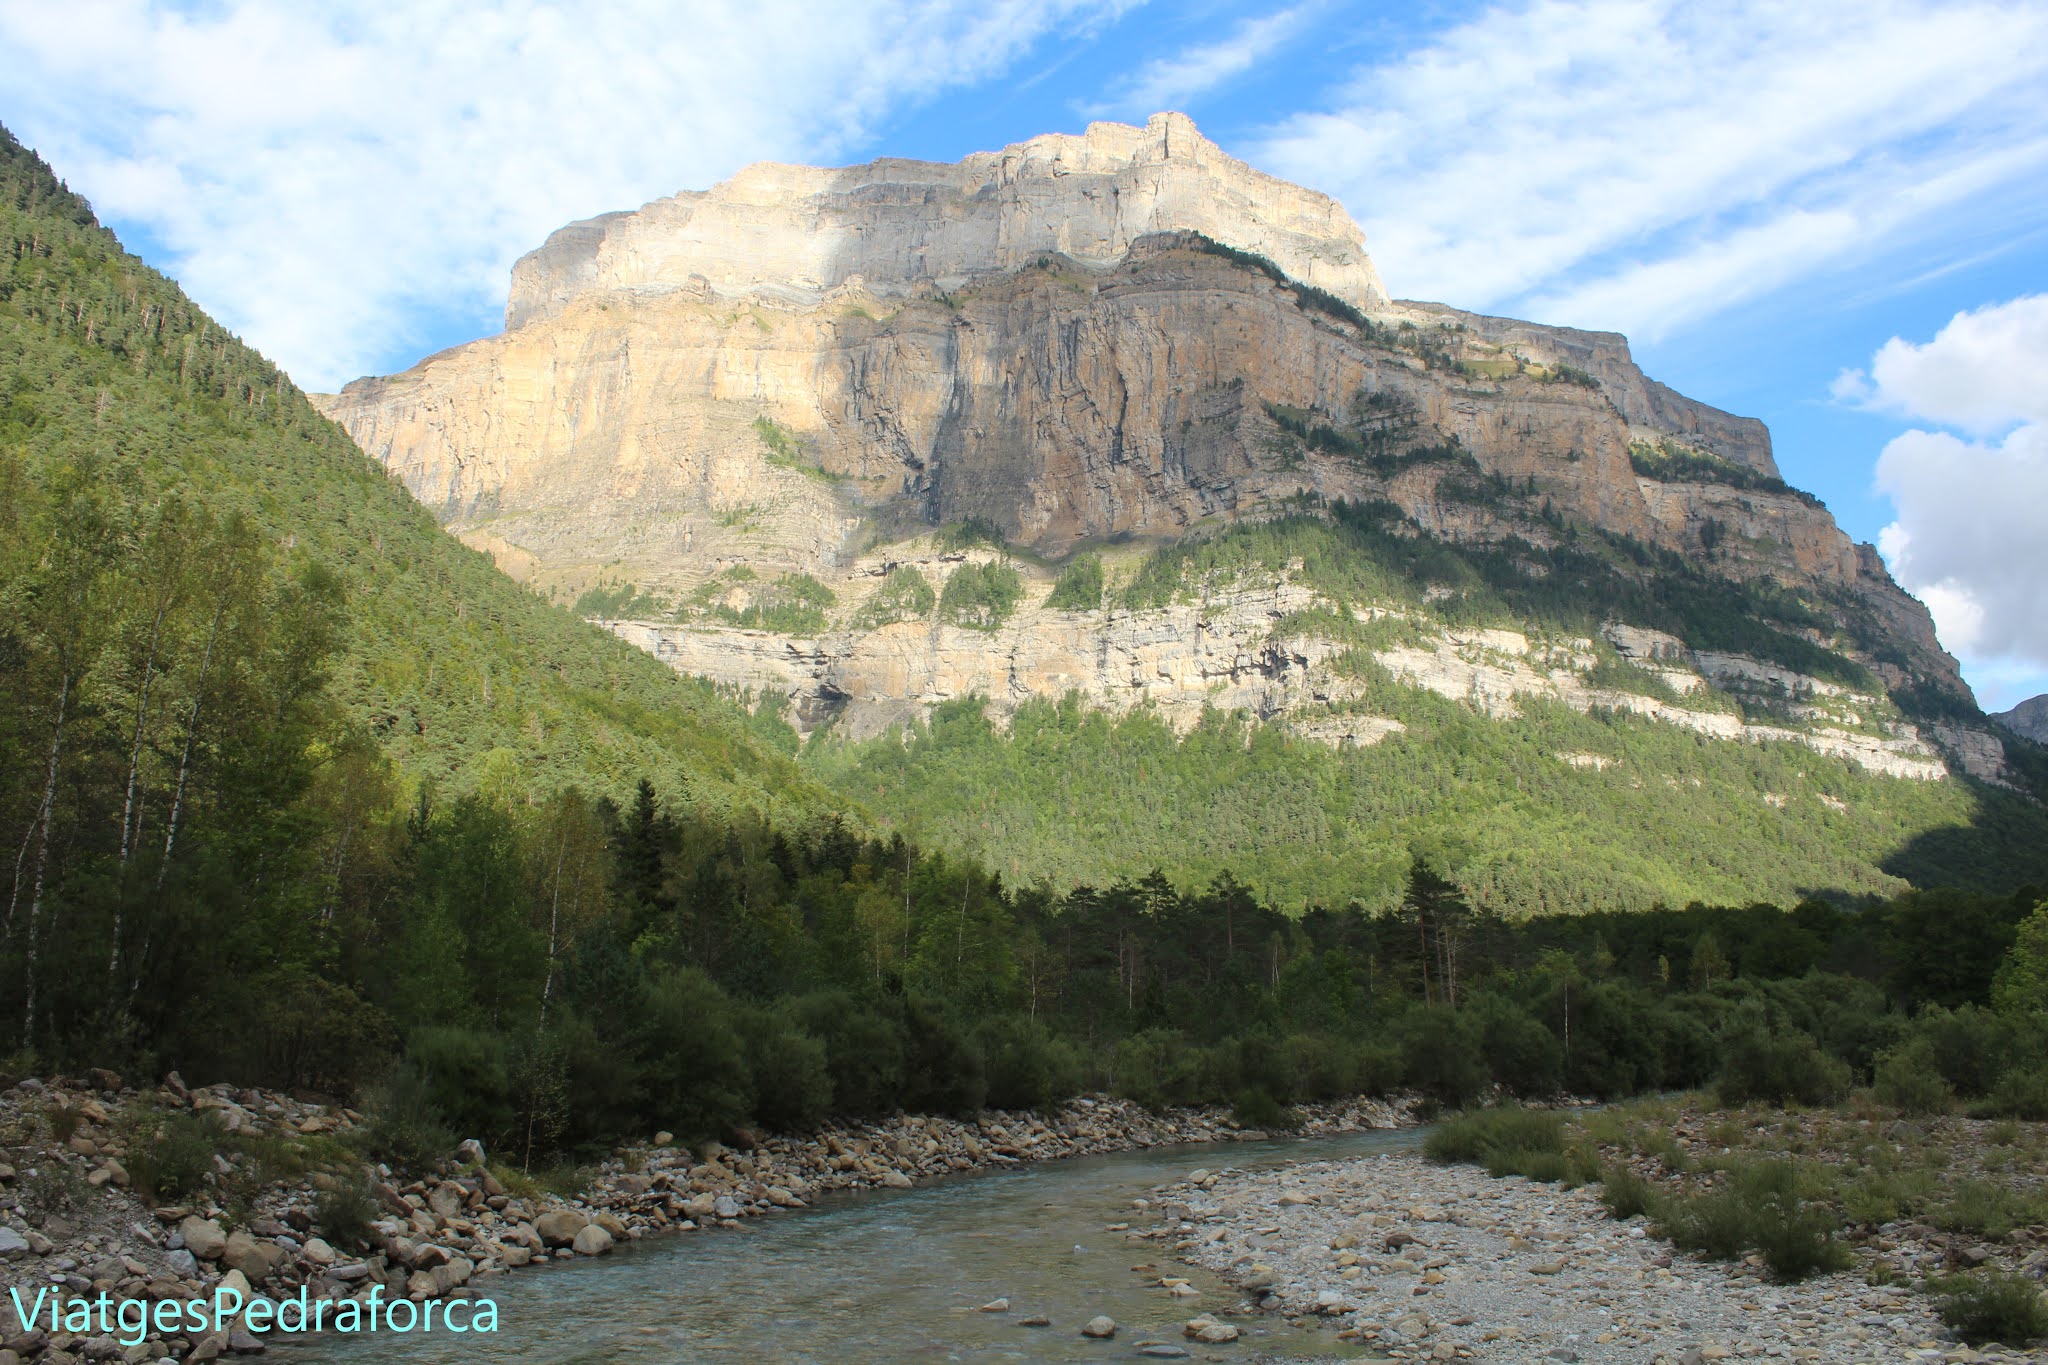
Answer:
(1831, 216)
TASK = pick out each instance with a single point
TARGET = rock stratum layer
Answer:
(1108, 342)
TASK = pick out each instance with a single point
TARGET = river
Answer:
(885, 1276)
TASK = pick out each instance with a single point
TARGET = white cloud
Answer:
(1971, 533)
(1639, 163)
(1984, 371)
(1170, 83)
(328, 178)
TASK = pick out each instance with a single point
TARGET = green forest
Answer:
(296, 790)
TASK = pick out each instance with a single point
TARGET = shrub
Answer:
(1993, 1306)
(1523, 1056)
(1028, 1068)
(905, 595)
(405, 1128)
(1256, 1108)
(1485, 1136)
(1440, 1055)
(1990, 1306)
(698, 1083)
(1760, 1208)
(1985, 1208)
(1908, 1081)
(792, 1081)
(1079, 587)
(863, 1052)
(980, 596)
(172, 1162)
(1779, 1068)
(2020, 1094)
(344, 1213)
(1626, 1194)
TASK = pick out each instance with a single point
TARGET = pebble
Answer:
(1426, 1262)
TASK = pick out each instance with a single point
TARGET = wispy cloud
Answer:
(335, 180)
(1174, 82)
(1640, 163)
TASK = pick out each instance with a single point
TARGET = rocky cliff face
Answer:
(1118, 339)
(2029, 718)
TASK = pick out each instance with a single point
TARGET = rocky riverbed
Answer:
(1425, 1262)
(70, 1218)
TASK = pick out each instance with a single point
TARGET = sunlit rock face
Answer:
(1111, 340)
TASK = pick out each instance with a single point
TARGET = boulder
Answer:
(317, 1251)
(558, 1228)
(1099, 1327)
(611, 1224)
(203, 1237)
(12, 1243)
(592, 1241)
(246, 1254)
(447, 1200)
(471, 1152)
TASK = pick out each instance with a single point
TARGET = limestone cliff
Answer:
(1117, 339)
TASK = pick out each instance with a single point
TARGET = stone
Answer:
(592, 1241)
(470, 1152)
(243, 1343)
(664, 1138)
(558, 1227)
(611, 1224)
(447, 1200)
(725, 1206)
(246, 1254)
(203, 1237)
(896, 1180)
(1099, 1327)
(995, 1306)
(1035, 1320)
(12, 1243)
(317, 1251)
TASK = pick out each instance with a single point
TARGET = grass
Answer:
(1507, 1141)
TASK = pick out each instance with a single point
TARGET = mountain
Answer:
(2029, 718)
(1105, 470)
(116, 391)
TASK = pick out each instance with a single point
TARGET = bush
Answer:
(905, 595)
(1440, 1055)
(1476, 1138)
(1779, 1068)
(1989, 1306)
(980, 596)
(942, 1068)
(1523, 1056)
(792, 1081)
(1758, 1208)
(1028, 1068)
(1255, 1108)
(1626, 1194)
(863, 1052)
(1908, 1081)
(171, 1162)
(1989, 1210)
(344, 1213)
(697, 1079)
(405, 1128)
(1079, 587)
(2021, 1093)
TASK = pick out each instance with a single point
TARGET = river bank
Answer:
(70, 1219)
(1428, 1262)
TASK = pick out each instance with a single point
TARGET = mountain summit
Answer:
(1117, 417)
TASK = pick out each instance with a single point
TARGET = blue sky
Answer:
(1786, 206)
